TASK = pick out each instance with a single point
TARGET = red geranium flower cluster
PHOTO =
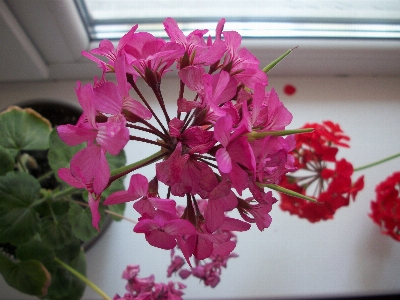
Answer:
(386, 208)
(320, 170)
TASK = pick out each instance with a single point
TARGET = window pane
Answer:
(252, 18)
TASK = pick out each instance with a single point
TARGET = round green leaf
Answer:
(19, 222)
(28, 276)
(6, 161)
(23, 129)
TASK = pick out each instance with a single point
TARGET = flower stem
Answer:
(117, 173)
(286, 191)
(377, 162)
(44, 176)
(107, 211)
(133, 84)
(144, 140)
(66, 192)
(254, 135)
(83, 278)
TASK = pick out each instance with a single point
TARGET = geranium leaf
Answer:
(81, 221)
(38, 250)
(60, 154)
(28, 276)
(19, 222)
(23, 129)
(64, 285)
(56, 233)
(6, 161)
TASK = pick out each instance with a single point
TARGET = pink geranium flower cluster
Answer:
(146, 288)
(220, 143)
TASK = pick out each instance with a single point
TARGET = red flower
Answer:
(386, 208)
(329, 178)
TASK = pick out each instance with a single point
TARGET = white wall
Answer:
(347, 255)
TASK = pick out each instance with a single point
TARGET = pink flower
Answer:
(186, 175)
(213, 150)
(241, 63)
(89, 170)
(235, 158)
(138, 187)
(221, 199)
(214, 90)
(259, 210)
(111, 134)
(146, 53)
(163, 230)
(196, 49)
(107, 49)
(122, 93)
(273, 158)
(266, 111)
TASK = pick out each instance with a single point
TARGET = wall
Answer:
(292, 258)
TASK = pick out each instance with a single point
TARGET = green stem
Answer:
(44, 176)
(134, 165)
(107, 211)
(377, 162)
(286, 191)
(66, 192)
(254, 135)
(83, 278)
(53, 215)
(276, 61)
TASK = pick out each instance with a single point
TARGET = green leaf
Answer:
(276, 61)
(81, 221)
(28, 276)
(23, 129)
(66, 286)
(63, 284)
(19, 222)
(56, 233)
(37, 250)
(6, 161)
(60, 154)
